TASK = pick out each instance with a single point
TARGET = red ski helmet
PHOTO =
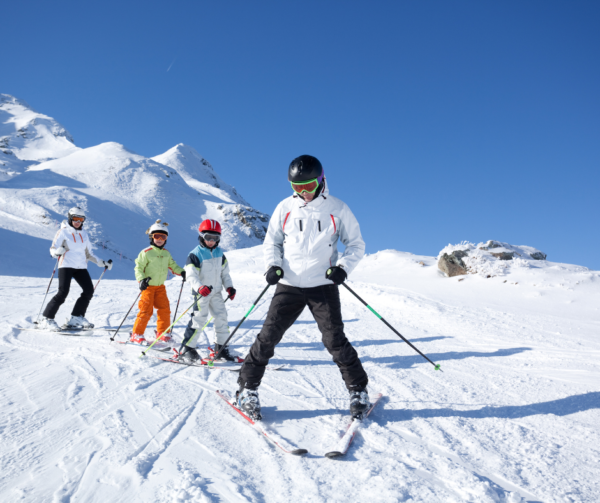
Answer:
(210, 226)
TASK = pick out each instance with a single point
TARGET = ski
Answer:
(216, 366)
(344, 443)
(162, 349)
(263, 428)
(203, 363)
(63, 331)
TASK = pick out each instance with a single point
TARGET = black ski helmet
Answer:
(304, 168)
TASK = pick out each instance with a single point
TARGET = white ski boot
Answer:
(78, 322)
(48, 324)
(247, 401)
(359, 403)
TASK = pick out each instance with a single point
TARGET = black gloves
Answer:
(231, 292)
(274, 274)
(336, 274)
(183, 274)
(144, 283)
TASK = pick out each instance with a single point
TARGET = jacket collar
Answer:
(65, 225)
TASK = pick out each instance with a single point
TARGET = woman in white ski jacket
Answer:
(72, 247)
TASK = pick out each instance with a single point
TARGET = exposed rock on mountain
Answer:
(488, 259)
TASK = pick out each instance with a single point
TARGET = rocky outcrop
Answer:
(489, 259)
(452, 264)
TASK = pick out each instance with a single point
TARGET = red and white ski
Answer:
(263, 428)
(344, 443)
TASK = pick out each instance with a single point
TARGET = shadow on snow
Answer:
(559, 407)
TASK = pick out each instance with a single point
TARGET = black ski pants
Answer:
(65, 275)
(287, 304)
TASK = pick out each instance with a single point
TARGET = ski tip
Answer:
(299, 452)
(333, 454)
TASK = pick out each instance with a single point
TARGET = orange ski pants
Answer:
(153, 297)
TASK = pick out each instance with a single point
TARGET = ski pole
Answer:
(167, 329)
(105, 268)
(238, 325)
(437, 367)
(47, 290)
(177, 307)
(136, 299)
(205, 325)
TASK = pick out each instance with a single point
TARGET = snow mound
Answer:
(28, 137)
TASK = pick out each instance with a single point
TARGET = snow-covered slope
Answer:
(513, 417)
(28, 137)
(122, 193)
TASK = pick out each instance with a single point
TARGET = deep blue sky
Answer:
(435, 121)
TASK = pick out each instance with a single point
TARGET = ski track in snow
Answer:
(513, 417)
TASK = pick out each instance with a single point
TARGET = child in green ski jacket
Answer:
(151, 269)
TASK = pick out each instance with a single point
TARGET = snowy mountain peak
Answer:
(28, 137)
(198, 173)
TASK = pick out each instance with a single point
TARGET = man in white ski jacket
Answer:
(300, 252)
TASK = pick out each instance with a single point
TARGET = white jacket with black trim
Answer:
(302, 239)
(209, 267)
(78, 246)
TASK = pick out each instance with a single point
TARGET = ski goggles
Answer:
(78, 219)
(157, 235)
(210, 236)
(309, 186)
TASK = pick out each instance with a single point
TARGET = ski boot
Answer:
(187, 354)
(359, 403)
(164, 338)
(247, 401)
(225, 354)
(78, 322)
(138, 339)
(48, 324)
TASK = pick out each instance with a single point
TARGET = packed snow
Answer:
(513, 416)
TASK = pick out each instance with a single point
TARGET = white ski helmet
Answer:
(76, 212)
(158, 226)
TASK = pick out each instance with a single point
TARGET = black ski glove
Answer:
(274, 274)
(336, 274)
(183, 274)
(144, 283)
(231, 292)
